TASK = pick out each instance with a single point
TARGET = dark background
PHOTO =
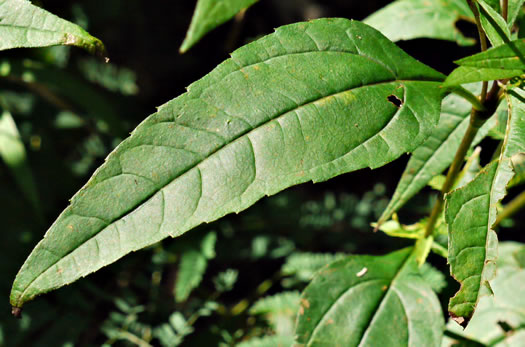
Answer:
(143, 37)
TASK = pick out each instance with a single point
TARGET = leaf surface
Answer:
(493, 24)
(208, 15)
(370, 301)
(307, 103)
(469, 74)
(509, 56)
(412, 19)
(505, 307)
(470, 213)
(437, 152)
(25, 25)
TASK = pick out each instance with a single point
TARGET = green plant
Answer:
(309, 102)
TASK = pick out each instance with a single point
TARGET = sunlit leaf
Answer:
(307, 103)
(411, 19)
(25, 25)
(493, 24)
(370, 301)
(509, 56)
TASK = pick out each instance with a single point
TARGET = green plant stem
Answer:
(511, 208)
(477, 119)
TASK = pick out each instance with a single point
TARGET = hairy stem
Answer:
(511, 208)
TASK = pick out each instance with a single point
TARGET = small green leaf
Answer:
(509, 56)
(437, 152)
(470, 74)
(304, 265)
(286, 302)
(412, 19)
(472, 241)
(370, 301)
(307, 103)
(13, 153)
(493, 24)
(25, 25)
(433, 277)
(515, 7)
(208, 15)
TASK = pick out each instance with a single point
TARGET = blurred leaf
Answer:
(493, 24)
(25, 25)
(305, 265)
(13, 153)
(191, 269)
(433, 277)
(370, 301)
(437, 152)
(268, 341)
(111, 77)
(515, 7)
(375, 99)
(225, 280)
(208, 15)
(411, 19)
(286, 302)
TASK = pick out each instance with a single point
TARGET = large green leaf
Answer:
(509, 56)
(208, 15)
(506, 307)
(437, 152)
(412, 19)
(309, 102)
(470, 213)
(25, 25)
(370, 301)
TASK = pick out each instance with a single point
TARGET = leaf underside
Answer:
(412, 19)
(370, 301)
(25, 25)
(309, 102)
(208, 15)
(470, 213)
(437, 152)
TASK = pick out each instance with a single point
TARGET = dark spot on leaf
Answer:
(395, 100)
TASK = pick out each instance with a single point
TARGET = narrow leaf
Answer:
(437, 152)
(307, 103)
(515, 7)
(470, 213)
(509, 56)
(370, 301)
(470, 74)
(25, 25)
(13, 153)
(493, 24)
(208, 15)
(412, 19)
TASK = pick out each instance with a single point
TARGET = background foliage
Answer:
(71, 109)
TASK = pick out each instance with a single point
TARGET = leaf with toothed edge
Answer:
(25, 25)
(306, 103)
(437, 152)
(470, 213)
(370, 301)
